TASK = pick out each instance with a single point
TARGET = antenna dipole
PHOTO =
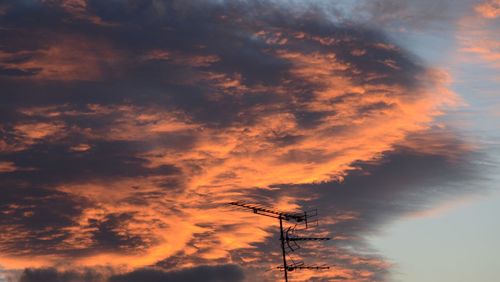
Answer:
(287, 239)
(292, 268)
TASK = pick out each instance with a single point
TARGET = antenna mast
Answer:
(288, 240)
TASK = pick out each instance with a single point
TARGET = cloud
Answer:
(479, 40)
(219, 273)
(53, 275)
(409, 12)
(62, 61)
(34, 219)
(127, 126)
(206, 273)
(7, 167)
(489, 9)
(480, 45)
(405, 182)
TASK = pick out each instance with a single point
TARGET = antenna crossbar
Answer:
(307, 239)
(292, 268)
(298, 217)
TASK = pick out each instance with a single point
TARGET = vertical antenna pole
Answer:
(282, 238)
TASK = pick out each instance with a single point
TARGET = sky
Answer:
(127, 126)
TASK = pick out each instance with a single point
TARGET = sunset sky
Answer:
(127, 126)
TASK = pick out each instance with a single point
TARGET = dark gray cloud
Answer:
(53, 275)
(403, 182)
(207, 29)
(48, 164)
(422, 15)
(221, 273)
(216, 30)
(215, 273)
(33, 219)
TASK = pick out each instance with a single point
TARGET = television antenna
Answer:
(289, 241)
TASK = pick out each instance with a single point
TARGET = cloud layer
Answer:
(125, 126)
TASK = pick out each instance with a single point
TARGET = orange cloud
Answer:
(7, 167)
(479, 39)
(443, 208)
(321, 115)
(489, 9)
(181, 58)
(222, 163)
(230, 163)
(28, 134)
(78, 9)
(38, 130)
(484, 46)
(69, 59)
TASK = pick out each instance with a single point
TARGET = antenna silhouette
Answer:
(289, 241)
